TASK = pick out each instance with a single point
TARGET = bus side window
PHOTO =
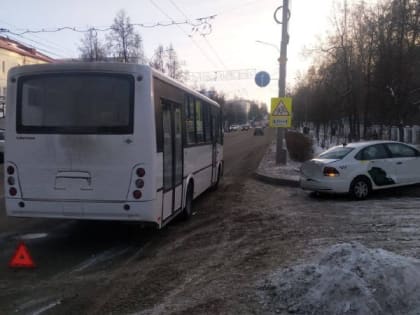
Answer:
(217, 127)
(199, 121)
(189, 120)
(220, 124)
(207, 121)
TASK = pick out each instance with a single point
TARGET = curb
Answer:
(276, 180)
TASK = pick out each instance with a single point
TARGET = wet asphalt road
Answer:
(209, 265)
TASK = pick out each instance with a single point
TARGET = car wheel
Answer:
(360, 188)
(187, 212)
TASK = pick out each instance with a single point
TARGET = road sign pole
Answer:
(281, 152)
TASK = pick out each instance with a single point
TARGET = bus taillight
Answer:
(10, 170)
(137, 194)
(139, 183)
(11, 180)
(141, 172)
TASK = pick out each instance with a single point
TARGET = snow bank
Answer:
(347, 279)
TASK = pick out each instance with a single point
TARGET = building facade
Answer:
(12, 54)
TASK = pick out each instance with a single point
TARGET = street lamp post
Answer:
(281, 152)
(268, 44)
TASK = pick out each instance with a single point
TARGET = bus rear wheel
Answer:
(187, 212)
(216, 184)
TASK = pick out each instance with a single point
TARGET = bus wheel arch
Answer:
(219, 177)
(189, 197)
(222, 168)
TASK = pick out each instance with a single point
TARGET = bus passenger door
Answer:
(172, 158)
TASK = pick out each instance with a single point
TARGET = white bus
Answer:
(107, 141)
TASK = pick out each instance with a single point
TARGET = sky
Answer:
(231, 44)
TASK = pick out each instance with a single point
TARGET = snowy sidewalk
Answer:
(271, 173)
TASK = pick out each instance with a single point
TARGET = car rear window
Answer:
(336, 153)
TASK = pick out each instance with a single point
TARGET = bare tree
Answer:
(158, 59)
(367, 70)
(166, 61)
(91, 48)
(124, 42)
(173, 65)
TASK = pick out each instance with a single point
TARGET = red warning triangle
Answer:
(21, 258)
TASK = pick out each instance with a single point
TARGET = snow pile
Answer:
(347, 279)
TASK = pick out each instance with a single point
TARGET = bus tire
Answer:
(216, 184)
(187, 211)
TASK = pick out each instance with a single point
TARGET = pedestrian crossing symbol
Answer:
(281, 112)
(280, 109)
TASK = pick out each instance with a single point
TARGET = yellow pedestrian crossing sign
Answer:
(281, 112)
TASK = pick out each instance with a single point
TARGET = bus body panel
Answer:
(198, 161)
(83, 167)
(139, 211)
(78, 167)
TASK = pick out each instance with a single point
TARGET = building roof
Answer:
(21, 49)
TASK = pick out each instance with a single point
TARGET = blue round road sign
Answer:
(262, 78)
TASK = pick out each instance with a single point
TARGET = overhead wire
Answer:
(40, 49)
(195, 23)
(43, 50)
(186, 34)
(45, 42)
(204, 37)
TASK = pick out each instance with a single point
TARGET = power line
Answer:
(215, 52)
(62, 52)
(182, 30)
(45, 42)
(201, 25)
(238, 7)
(43, 50)
(205, 38)
(46, 51)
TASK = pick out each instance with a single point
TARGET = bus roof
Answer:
(180, 85)
(104, 66)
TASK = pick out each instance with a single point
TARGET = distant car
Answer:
(258, 131)
(234, 127)
(245, 127)
(359, 168)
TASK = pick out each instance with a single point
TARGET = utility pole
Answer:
(281, 152)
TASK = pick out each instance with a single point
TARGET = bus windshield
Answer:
(75, 103)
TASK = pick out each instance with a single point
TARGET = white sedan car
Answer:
(358, 168)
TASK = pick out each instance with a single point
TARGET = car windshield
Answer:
(336, 153)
